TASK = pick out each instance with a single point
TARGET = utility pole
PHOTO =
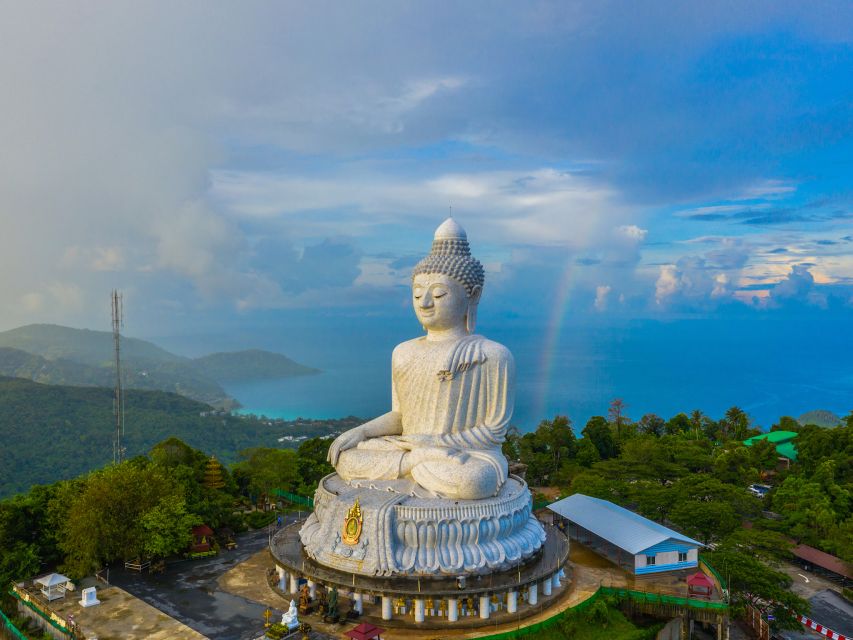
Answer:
(118, 400)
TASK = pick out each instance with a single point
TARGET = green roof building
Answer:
(784, 441)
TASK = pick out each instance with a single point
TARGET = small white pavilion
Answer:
(53, 585)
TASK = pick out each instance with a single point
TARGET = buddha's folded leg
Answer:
(461, 477)
(375, 459)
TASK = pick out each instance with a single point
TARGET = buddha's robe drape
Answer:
(455, 399)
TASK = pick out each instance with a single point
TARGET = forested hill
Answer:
(94, 348)
(54, 354)
(52, 432)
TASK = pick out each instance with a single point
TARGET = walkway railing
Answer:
(10, 629)
(44, 611)
(642, 597)
(294, 498)
(715, 576)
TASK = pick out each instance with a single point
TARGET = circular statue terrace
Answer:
(465, 599)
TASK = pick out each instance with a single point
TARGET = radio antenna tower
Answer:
(118, 400)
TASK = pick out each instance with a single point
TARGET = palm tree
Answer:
(696, 419)
(736, 423)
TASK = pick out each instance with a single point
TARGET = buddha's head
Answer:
(447, 284)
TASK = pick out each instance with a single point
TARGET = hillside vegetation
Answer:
(53, 432)
(61, 355)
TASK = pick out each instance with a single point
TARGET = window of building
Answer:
(682, 556)
(650, 560)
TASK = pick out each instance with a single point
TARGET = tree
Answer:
(679, 423)
(559, 439)
(587, 453)
(104, 522)
(709, 509)
(546, 450)
(167, 527)
(746, 560)
(652, 424)
(786, 423)
(805, 508)
(598, 431)
(763, 456)
(616, 414)
(698, 423)
(312, 465)
(267, 469)
(591, 483)
(735, 423)
(735, 465)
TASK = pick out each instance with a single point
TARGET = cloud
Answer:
(601, 293)
(702, 281)
(277, 155)
(798, 287)
(541, 205)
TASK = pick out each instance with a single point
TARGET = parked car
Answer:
(758, 490)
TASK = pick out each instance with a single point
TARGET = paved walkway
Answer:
(120, 615)
(189, 592)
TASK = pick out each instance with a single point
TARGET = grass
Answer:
(598, 623)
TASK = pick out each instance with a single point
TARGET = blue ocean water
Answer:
(767, 366)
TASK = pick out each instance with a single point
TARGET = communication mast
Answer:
(118, 400)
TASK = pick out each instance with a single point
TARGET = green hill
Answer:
(52, 432)
(61, 355)
(85, 346)
(820, 417)
(252, 364)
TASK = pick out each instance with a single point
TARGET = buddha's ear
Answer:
(471, 315)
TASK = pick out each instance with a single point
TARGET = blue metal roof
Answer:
(624, 528)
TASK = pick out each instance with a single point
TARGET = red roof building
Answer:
(202, 538)
(699, 584)
(825, 561)
(365, 631)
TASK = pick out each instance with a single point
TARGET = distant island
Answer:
(821, 418)
(252, 364)
(54, 354)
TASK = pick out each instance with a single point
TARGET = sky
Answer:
(232, 166)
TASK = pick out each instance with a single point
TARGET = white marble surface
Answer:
(407, 534)
(429, 476)
(452, 391)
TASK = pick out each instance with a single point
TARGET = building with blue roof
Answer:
(635, 543)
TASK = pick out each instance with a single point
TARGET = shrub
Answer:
(259, 519)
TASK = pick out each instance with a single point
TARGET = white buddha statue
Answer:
(290, 618)
(451, 390)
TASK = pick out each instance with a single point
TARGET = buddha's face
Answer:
(440, 301)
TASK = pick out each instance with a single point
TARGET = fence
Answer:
(715, 576)
(44, 611)
(641, 597)
(294, 498)
(9, 630)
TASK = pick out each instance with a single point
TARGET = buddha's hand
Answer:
(347, 440)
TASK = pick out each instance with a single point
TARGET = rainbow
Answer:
(554, 329)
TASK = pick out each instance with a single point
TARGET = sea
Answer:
(767, 365)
